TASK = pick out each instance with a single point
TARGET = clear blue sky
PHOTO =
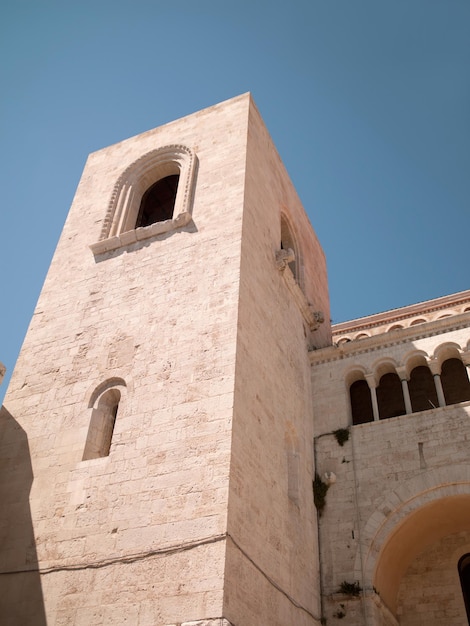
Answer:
(368, 103)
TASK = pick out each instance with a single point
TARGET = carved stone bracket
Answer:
(311, 316)
(316, 319)
(283, 258)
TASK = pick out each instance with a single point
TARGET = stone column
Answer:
(406, 391)
(436, 372)
(373, 394)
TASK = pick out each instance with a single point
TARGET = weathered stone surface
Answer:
(178, 391)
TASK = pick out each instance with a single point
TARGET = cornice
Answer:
(390, 338)
(403, 313)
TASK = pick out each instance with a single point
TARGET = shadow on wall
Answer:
(21, 600)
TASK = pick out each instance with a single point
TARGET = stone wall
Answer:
(402, 487)
(137, 536)
(272, 562)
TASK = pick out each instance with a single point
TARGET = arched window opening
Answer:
(455, 383)
(464, 574)
(417, 321)
(152, 196)
(158, 202)
(422, 389)
(361, 402)
(100, 431)
(390, 396)
(396, 327)
(288, 241)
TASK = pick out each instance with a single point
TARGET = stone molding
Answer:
(218, 621)
(387, 340)
(117, 229)
(313, 318)
(410, 496)
(404, 313)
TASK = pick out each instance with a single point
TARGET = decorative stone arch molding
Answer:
(96, 392)
(430, 505)
(354, 373)
(447, 350)
(414, 358)
(119, 224)
(384, 365)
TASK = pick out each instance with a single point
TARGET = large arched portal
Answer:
(417, 572)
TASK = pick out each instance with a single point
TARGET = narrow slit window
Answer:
(100, 431)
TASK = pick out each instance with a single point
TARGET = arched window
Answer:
(455, 382)
(361, 402)
(100, 431)
(464, 574)
(158, 202)
(418, 321)
(152, 196)
(422, 389)
(390, 396)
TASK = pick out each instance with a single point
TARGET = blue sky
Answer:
(367, 102)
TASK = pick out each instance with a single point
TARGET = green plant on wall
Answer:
(342, 435)
(319, 493)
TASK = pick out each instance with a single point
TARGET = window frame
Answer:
(119, 224)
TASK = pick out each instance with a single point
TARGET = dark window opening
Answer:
(158, 202)
(464, 574)
(423, 394)
(361, 402)
(390, 396)
(455, 382)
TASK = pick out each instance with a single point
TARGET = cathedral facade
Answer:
(187, 441)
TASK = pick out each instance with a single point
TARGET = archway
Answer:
(417, 568)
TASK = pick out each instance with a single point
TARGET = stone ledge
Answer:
(140, 234)
(220, 621)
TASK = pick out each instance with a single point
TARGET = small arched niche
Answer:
(102, 421)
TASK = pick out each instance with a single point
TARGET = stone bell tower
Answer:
(157, 455)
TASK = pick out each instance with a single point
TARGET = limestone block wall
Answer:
(401, 496)
(272, 553)
(137, 536)
(430, 591)
(380, 480)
